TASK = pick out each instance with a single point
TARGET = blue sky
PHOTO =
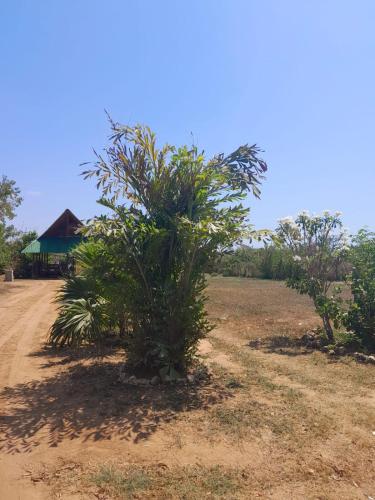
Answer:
(296, 77)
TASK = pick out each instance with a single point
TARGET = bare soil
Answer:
(275, 421)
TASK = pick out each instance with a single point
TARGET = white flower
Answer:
(338, 214)
(297, 258)
(304, 213)
(287, 220)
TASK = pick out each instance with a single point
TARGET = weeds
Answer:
(189, 483)
(121, 483)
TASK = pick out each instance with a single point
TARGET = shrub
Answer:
(172, 212)
(360, 317)
(91, 303)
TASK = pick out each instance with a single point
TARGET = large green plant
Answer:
(172, 211)
(360, 317)
(318, 244)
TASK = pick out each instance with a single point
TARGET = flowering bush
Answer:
(318, 244)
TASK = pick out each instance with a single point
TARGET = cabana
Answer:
(50, 251)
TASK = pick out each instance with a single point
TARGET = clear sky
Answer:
(297, 77)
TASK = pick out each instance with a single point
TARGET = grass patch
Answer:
(123, 484)
(238, 421)
(189, 482)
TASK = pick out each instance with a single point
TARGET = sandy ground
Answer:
(297, 434)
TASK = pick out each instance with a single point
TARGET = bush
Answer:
(92, 303)
(360, 317)
(172, 212)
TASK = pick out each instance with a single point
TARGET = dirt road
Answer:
(26, 312)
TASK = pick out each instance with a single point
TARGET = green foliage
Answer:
(269, 262)
(20, 262)
(79, 320)
(5, 253)
(10, 199)
(91, 303)
(347, 339)
(12, 242)
(360, 317)
(172, 212)
(317, 245)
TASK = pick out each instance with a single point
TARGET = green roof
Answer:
(53, 244)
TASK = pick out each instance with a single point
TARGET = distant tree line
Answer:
(269, 262)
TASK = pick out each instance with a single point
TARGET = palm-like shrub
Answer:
(172, 212)
(91, 303)
(79, 320)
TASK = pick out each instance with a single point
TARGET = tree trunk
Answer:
(328, 328)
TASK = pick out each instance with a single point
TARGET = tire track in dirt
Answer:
(13, 298)
(301, 374)
(18, 324)
(25, 316)
(26, 313)
(206, 349)
(32, 319)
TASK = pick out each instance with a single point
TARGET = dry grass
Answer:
(189, 482)
(276, 421)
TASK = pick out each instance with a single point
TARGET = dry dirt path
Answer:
(26, 312)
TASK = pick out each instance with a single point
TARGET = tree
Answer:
(10, 199)
(172, 212)
(318, 245)
(20, 262)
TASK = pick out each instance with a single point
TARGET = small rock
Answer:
(371, 359)
(132, 380)
(341, 350)
(331, 352)
(324, 349)
(359, 356)
(190, 378)
(155, 380)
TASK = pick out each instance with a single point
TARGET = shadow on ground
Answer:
(57, 356)
(281, 344)
(87, 402)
